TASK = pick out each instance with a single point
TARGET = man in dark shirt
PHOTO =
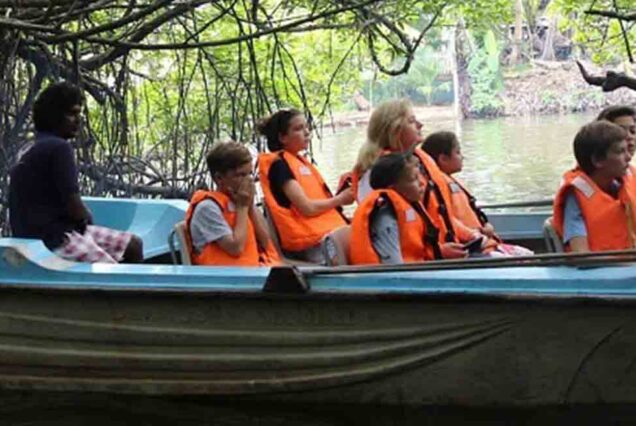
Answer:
(44, 197)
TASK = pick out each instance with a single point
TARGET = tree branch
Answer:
(610, 82)
(614, 15)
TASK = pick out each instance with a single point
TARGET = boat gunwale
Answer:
(433, 296)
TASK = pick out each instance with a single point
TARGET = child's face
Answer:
(628, 123)
(452, 163)
(410, 132)
(298, 135)
(615, 162)
(410, 185)
(229, 181)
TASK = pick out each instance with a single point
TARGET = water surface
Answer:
(505, 159)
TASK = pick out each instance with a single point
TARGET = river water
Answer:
(505, 159)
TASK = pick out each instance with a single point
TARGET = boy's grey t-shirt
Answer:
(208, 224)
(385, 236)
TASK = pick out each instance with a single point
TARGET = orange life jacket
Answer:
(296, 231)
(463, 204)
(609, 221)
(437, 199)
(418, 235)
(212, 253)
(464, 208)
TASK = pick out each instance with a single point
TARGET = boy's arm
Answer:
(260, 227)
(243, 198)
(574, 228)
(579, 245)
(464, 233)
(234, 244)
(385, 237)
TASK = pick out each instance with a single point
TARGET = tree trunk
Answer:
(548, 44)
(462, 53)
(515, 56)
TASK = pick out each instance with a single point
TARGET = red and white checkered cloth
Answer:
(96, 245)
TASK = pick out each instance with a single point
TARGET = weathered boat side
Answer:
(511, 336)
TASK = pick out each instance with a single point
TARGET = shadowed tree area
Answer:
(165, 79)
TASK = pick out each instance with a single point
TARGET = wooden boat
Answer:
(547, 330)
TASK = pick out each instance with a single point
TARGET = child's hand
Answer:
(346, 197)
(453, 251)
(488, 230)
(244, 194)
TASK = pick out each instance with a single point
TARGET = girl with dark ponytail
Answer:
(302, 207)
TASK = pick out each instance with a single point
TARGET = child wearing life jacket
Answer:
(393, 127)
(594, 208)
(223, 227)
(302, 207)
(445, 149)
(391, 225)
(625, 117)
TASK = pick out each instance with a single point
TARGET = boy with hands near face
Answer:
(223, 227)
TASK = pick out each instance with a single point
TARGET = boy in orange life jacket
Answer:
(303, 208)
(444, 148)
(594, 209)
(223, 227)
(391, 226)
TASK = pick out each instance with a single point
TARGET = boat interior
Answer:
(160, 224)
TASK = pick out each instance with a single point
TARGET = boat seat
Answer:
(553, 242)
(272, 228)
(335, 246)
(179, 233)
(151, 220)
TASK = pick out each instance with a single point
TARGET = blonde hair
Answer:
(383, 132)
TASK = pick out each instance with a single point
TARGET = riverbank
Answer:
(542, 88)
(356, 119)
(557, 88)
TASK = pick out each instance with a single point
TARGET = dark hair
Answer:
(611, 113)
(388, 169)
(594, 140)
(226, 156)
(275, 125)
(439, 143)
(53, 103)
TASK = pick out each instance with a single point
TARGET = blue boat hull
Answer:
(477, 337)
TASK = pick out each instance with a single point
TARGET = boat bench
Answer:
(151, 220)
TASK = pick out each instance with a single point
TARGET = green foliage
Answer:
(427, 80)
(599, 37)
(486, 76)
(481, 15)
